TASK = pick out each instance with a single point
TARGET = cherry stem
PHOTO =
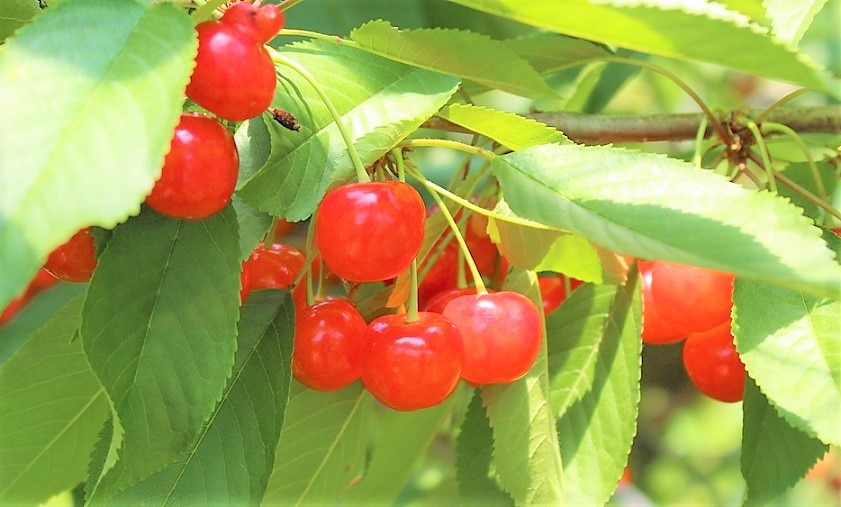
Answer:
(361, 174)
(719, 130)
(455, 145)
(786, 130)
(311, 252)
(293, 32)
(763, 152)
(779, 102)
(471, 264)
(699, 143)
(412, 303)
(288, 4)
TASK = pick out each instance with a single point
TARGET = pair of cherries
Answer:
(234, 78)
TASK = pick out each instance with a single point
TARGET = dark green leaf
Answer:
(322, 446)
(791, 346)
(596, 386)
(474, 449)
(51, 408)
(16, 13)
(231, 461)
(254, 146)
(460, 53)
(380, 102)
(655, 207)
(775, 455)
(526, 454)
(63, 88)
(550, 52)
(164, 361)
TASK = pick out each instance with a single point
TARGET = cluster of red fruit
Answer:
(407, 363)
(685, 302)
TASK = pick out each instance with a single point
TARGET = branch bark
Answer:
(603, 129)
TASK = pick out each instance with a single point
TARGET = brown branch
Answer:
(603, 129)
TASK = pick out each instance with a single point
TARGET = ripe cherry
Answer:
(261, 22)
(441, 276)
(689, 298)
(655, 329)
(370, 231)
(413, 365)
(13, 308)
(234, 76)
(75, 260)
(502, 334)
(437, 303)
(553, 290)
(489, 261)
(330, 342)
(713, 365)
(199, 172)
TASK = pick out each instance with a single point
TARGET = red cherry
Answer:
(13, 308)
(689, 298)
(489, 261)
(262, 23)
(42, 280)
(413, 365)
(655, 329)
(370, 231)
(199, 172)
(276, 267)
(244, 281)
(440, 301)
(553, 290)
(442, 275)
(713, 365)
(234, 76)
(502, 334)
(330, 341)
(75, 260)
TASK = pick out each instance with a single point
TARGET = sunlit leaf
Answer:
(510, 130)
(791, 18)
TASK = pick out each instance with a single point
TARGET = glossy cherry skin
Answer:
(502, 335)
(440, 301)
(713, 365)
(441, 276)
(689, 298)
(234, 76)
(262, 22)
(199, 172)
(413, 365)
(75, 260)
(655, 329)
(330, 342)
(368, 232)
(553, 290)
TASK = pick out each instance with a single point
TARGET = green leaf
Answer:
(508, 129)
(16, 13)
(459, 53)
(63, 87)
(322, 446)
(231, 461)
(164, 362)
(37, 311)
(549, 250)
(654, 207)
(526, 455)
(703, 31)
(791, 18)
(775, 455)
(474, 449)
(550, 52)
(254, 146)
(595, 385)
(801, 174)
(388, 471)
(380, 103)
(791, 346)
(51, 409)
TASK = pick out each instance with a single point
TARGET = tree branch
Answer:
(603, 129)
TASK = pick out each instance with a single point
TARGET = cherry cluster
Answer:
(689, 303)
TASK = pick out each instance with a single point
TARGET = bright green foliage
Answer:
(72, 168)
(322, 446)
(254, 146)
(460, 53)
(510, 130)
(550, 52)
(388, 471)
(701, 31)
(791, 345)
(165, 361)
(16, 13)
(791, 18)
(52, 408)
(526, 453)
(655, 207)
(474, 450)
(380, 102)
(549, 250)
(595, 386)
(775, 455)
(232, 458)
